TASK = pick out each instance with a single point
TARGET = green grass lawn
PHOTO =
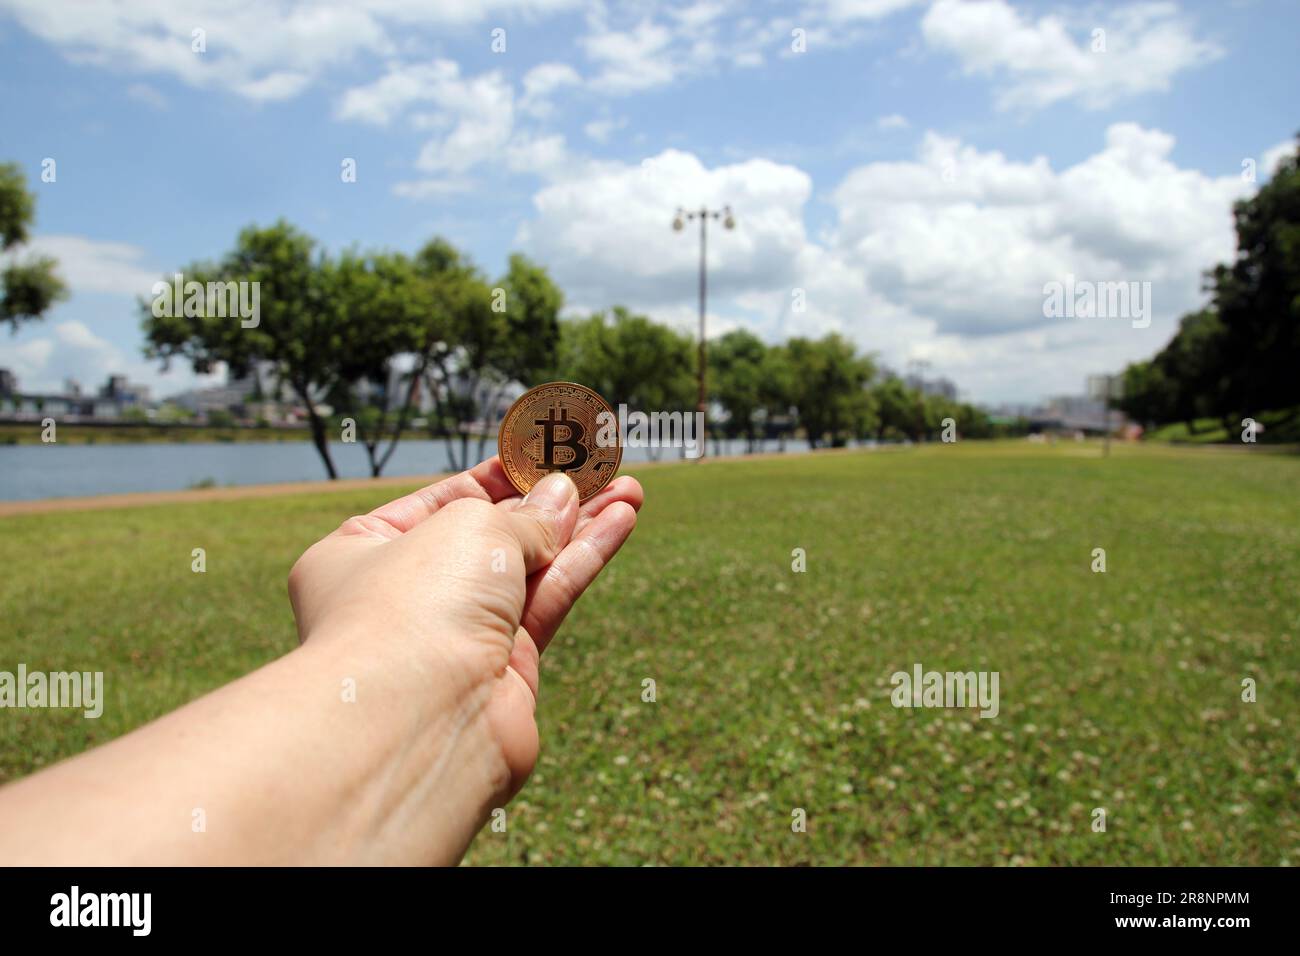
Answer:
(1279, 427)
(1119, 690)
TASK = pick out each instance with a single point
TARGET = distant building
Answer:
(1077, 413)
(252, 397)
(942, 387)
(491, 399)
(114, 398)
(118, 389)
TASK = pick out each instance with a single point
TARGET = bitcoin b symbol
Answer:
(571, 440)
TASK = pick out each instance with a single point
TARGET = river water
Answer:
(59, 471)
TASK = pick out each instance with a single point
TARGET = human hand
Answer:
(454, 591)
(433, 610)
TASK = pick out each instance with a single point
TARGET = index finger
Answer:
(486, 481)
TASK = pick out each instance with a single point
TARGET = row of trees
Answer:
(822, 387)
(365, 334)
(1240, 356)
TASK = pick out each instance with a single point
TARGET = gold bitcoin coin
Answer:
(559, 427)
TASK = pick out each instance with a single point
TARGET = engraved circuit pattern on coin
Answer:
(554, 427)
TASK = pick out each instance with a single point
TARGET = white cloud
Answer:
(481, 111)
(544, 156)
(284, 85)
(892, 121)
(403, 86)
(28, 361)
(265, 50)
(1038, 63)
(969, 238)
(942, 257)
(47, 355)
(1274, 155)
(605, 229)
(261, 51)
(601, 129)
(639, 58)
(43, 353)
(473, 120)
(541, 82)
(844, 11)
(645, 51)
(92, 265)
(474, 116)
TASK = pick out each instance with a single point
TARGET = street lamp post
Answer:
(703, 214)
(1108, 388)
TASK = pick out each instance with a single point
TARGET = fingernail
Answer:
(552, 493)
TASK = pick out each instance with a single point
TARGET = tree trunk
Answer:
(416, 374)
(318, 436)
(491, 409)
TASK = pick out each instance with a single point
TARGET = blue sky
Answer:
(917, 171)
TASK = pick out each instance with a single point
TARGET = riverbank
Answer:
(398, 484)
(139, 499)
(129, 433)
(62, 470)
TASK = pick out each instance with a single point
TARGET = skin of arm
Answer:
(433, 610)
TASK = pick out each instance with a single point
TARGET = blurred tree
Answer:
(973, 422)
(383, 310)
(896, 408)
(1238, 357)
(777, 393)
(1258, 299)
(298, 328)
(630, 359)
(28, 287)
(831, 381)
(937, 408)
(490, 337)
(220, 418)
(532, 317)
(736, 368)
(1194, 362)
(1147, 394)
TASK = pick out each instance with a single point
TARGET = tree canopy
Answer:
(364, 340)
(1237, 357)
(30, 284)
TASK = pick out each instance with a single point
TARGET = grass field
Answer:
(1279, 427)
(1119, 690)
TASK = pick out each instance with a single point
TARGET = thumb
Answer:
(545, 519)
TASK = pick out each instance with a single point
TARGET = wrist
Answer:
(413, 733)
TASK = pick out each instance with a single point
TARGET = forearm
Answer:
(335, 753)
